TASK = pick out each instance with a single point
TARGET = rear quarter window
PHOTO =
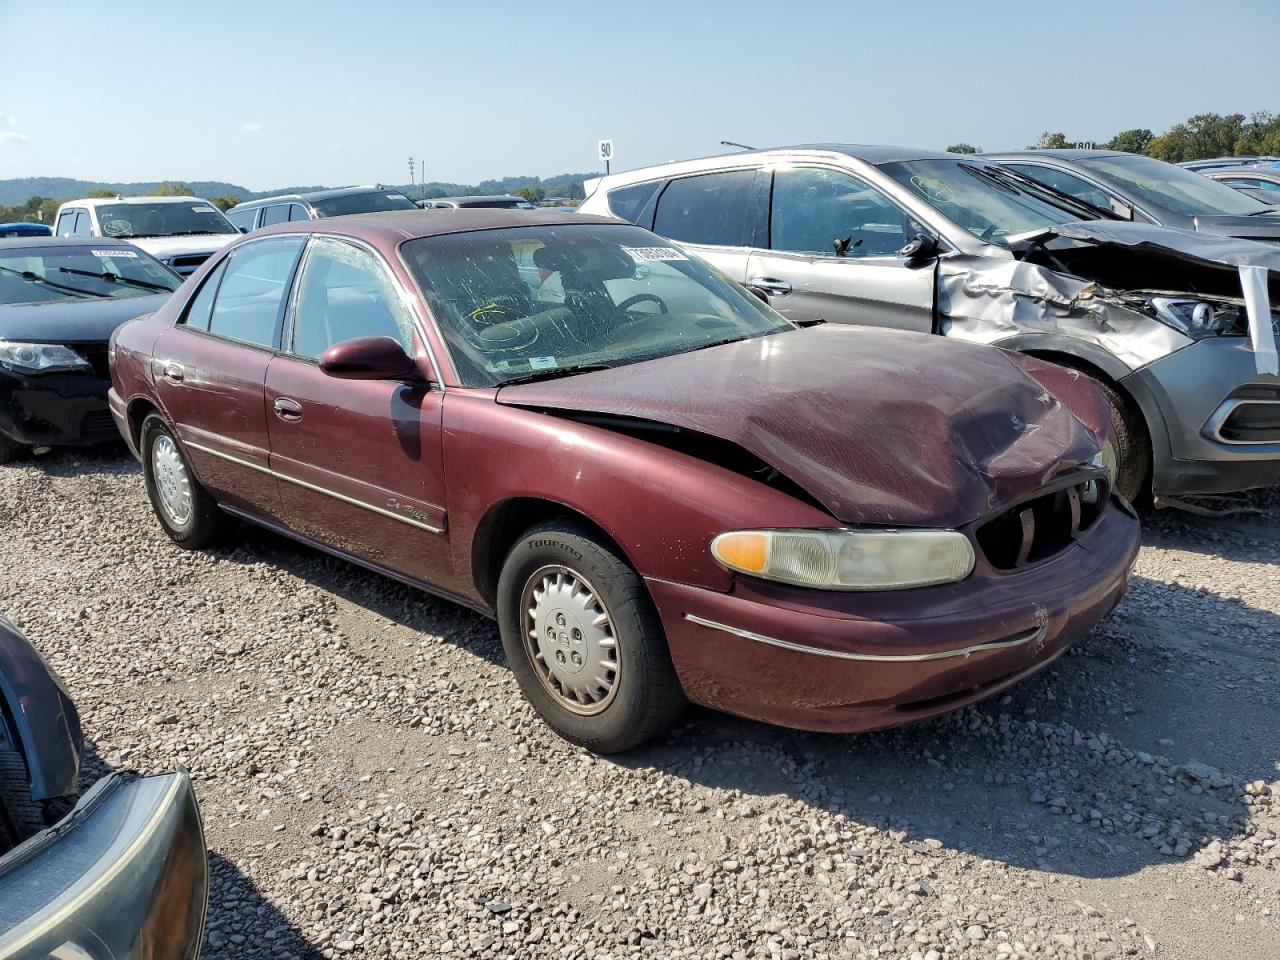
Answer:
(628, 203)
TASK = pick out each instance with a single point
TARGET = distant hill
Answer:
(18, 191)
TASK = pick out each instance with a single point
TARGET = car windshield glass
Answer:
(979, 197)
(1175, 188)
(375, 201)
(43, 274)
(188, 217)
(541, 301)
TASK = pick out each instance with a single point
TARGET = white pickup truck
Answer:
(181, 232)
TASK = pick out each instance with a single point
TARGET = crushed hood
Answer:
(1140, 256)
(879, 426)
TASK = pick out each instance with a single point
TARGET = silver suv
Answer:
(1175, 327)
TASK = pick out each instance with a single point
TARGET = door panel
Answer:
(879, 291)
(212, 391)
(360, 465)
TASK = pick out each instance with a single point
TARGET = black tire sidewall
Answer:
(647, 688)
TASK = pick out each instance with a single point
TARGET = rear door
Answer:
(867, 281)
(210, 371)
(713, 215)
(359, 461)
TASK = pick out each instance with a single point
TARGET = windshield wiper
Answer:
(36, 278)
(114, 277)
(556, 373)
(190, 233)
(1058, 196)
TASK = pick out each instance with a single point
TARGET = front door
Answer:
(812, 211)
(210, 371)
(359, 462)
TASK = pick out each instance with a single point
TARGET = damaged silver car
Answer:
(122, 873)
(1176, 327)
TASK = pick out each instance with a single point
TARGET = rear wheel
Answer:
(8, 449)
(20, 816)
(187, 513)
(584, 640)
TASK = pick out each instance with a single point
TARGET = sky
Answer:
(281, 93)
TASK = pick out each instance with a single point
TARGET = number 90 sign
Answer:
(605, 148)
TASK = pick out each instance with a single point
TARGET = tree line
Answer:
(1203, 136)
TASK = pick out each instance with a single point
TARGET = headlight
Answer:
(41, 357)
(1200, 318)
(848, 559)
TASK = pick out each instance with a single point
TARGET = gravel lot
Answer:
(372, 783)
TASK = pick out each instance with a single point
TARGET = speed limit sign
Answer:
(606, 150)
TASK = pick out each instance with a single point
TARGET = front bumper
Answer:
(1186, 398)
(851, 662)
(55, 409)
(125, 874)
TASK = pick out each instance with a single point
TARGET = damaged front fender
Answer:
(997, 301)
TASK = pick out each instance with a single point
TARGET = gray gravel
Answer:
(373, 785)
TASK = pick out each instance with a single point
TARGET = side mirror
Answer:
(920, 247)
(244, 229)
(368, 358)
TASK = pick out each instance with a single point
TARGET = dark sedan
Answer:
(658, 486)
(1147, 190)
(60, 300)
(123, 873)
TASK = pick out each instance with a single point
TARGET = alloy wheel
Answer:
(173, 483)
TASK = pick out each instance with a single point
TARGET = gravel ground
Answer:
(372, 783)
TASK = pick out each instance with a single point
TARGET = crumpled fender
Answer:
(44, 718)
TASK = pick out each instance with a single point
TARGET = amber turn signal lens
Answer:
(747, 551)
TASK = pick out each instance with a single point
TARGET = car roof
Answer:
(312, 195)
(9, 243)
(97, 201)
(394, 226)
(480, 196)
(1059, 154)
(1253, 170)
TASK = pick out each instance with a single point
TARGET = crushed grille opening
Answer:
(1037, 529)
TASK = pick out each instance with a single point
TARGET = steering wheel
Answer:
(626, 305)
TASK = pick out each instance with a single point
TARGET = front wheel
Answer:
(584, 640)
(1127, 455)
(185, 510)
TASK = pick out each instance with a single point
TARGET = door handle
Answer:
(173, 371)
(775, 288)
(287, 409)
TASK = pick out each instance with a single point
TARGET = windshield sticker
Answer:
(393, 196)
(202, 209)
(933, 188)
(643, 254)
(107, 254)
(542, 363)
(113, 228)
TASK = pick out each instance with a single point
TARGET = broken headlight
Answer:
(848, 559)
(1201, 318)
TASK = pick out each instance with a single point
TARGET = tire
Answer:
(644, 697)
(20, 816)
(1132, 451)
(202, 523)
(8, 449)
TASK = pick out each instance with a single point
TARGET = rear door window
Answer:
(243, 218)
(249, 301)
(628, 203)
(712, 209)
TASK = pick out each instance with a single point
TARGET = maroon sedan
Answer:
(660, 488)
